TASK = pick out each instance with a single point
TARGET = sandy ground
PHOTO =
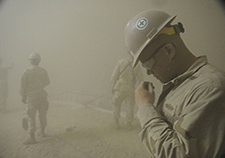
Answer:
(93, 136)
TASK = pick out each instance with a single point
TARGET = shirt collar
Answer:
(201, 61)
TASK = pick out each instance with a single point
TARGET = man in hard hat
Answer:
(189, 118)
(33, 82)
(4, 85)
(123, 81)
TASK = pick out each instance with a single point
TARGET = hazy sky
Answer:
(80, 41)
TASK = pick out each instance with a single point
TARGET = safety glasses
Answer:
(150, 61)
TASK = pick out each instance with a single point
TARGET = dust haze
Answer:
(80, 42)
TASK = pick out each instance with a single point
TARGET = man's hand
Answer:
(144, 94)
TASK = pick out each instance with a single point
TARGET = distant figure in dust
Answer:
(4, 85)
(123, 82)
(33, 82)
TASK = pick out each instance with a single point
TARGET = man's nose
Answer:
(149, 72)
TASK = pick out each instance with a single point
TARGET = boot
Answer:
(30, 140)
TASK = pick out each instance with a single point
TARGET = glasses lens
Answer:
(148, 64)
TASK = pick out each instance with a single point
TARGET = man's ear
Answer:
(171, 50)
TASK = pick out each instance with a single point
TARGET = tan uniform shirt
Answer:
(190, 120)
(33, 82)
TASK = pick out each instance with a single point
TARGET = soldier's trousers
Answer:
(40, 106)
(128, 99)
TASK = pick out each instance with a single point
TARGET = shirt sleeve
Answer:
(199, 132)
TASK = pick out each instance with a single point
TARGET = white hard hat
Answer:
(142, 28)
(35, 56)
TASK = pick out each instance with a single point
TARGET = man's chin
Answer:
(161, 80)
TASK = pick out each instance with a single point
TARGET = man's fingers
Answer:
(145, 85)
(145, 94)
(148, 85)
(152, 85)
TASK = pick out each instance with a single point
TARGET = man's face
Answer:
(161, 61)
(35, 62)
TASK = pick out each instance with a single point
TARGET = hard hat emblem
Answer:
(141, 23)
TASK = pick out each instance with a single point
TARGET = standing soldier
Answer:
(3, 85)
(33, 82)
(123, 82)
